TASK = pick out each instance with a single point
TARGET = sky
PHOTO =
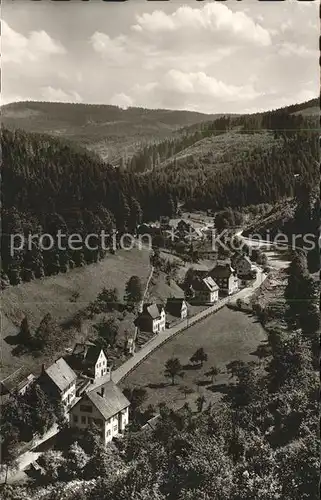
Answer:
(210, 57)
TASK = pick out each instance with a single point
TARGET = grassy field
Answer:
(55, 295)
(225, 336)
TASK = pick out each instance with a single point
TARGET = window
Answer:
(115, 427)
(75, 418)
(86, 408)
(83, 420)
(89, 420)
(98, 421)
(108, 433)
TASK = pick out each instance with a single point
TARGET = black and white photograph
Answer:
(160, 250)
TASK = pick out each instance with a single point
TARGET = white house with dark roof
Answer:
(152, 318)
(90, 360)
(106, 407)
(176, 306)
(59, 381)
(226, 278)
(204, 290)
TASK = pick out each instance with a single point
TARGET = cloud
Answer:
(17, 48)
(209, 57)
(289, 49)
(201, 83)
(194, 91)
(214, 18)
(159, 39)
(115, 49)
(58, 95)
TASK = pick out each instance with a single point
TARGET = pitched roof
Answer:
(93, 353)
(16, 381)
(210, 283)
(175, 300)
(61, 374)
(174, 304)
(112, 402)
(221, 271)
(88, 351)
(205, 284)
(153, 310)
(200, 273)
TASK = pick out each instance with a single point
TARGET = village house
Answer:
(59, 381)
(17, 382)
(106, 407)
(164, 222)
(204, 290)
(242, 264)
(176, 307)
(226, 278)
(90, 360)
(152, 318)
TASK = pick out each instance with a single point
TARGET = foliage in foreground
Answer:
(260, 442)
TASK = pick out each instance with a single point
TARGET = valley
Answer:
(176, 191)
(160, 253)
(109, 131)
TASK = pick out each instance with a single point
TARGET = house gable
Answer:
(60, 375)
(101, 358)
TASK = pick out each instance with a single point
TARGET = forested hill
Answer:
(200, 142)
(50, 184)
(111, 131)
(116, 134)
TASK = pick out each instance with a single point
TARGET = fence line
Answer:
(180, 328)
(161, 338)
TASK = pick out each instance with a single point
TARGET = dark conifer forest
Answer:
(51, 184)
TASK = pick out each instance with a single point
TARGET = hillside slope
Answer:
(109, 130)
(220, 150)
(227, 137)
(62, 296)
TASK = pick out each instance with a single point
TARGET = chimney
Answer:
(42, 369)
(102, 392)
